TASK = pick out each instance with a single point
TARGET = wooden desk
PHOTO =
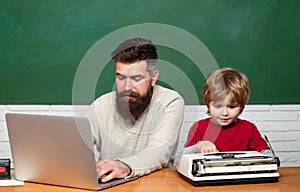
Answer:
(167, 180)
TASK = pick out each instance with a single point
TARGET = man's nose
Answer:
(128, 85)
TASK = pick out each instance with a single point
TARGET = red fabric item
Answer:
(242, 136)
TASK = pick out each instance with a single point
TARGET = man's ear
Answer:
(154, 77)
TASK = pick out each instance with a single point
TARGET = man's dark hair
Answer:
(134, 50)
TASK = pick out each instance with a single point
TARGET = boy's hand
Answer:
(206, 147)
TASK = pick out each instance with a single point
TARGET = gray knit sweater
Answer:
(150, 143)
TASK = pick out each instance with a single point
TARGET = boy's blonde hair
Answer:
(226, 81)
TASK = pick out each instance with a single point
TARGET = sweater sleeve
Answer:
(162, 141)
(91, 115)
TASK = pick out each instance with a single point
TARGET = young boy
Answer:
(225, 93)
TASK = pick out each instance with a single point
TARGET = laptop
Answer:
(55, 150)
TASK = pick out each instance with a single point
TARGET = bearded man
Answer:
(136, 127)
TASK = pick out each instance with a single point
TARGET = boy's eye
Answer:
(217, 106)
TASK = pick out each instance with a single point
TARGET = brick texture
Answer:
(281, 123)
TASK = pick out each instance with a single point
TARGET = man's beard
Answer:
(132, 109)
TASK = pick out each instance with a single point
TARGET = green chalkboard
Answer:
(46, 45)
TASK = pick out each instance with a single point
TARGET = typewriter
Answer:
(228, 168)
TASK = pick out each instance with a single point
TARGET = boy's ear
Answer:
(242, 109)
(208, 111)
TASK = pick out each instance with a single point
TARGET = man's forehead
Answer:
(136, 67)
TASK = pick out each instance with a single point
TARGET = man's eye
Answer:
(120, 77)
(137, 78)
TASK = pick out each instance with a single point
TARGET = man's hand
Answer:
(206, 147)
(114, 169)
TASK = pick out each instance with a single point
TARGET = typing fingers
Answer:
(103, 167)
(108, 169)
(206, 147)
(108, 176)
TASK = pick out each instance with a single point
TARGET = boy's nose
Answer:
(225, 111)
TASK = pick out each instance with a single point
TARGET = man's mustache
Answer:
(128, 93)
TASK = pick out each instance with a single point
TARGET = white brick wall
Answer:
(281, 123)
